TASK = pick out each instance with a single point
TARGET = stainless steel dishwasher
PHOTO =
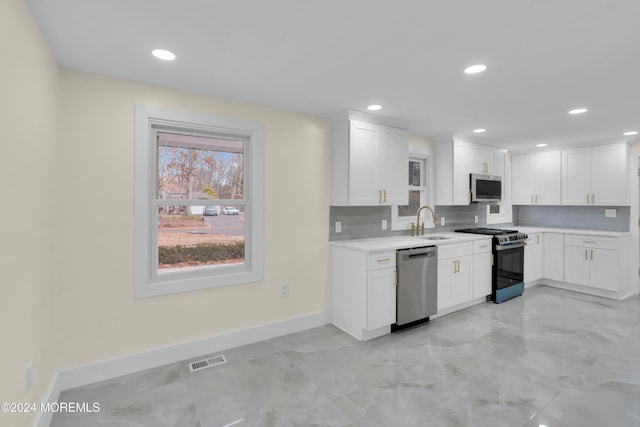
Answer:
(417, 292)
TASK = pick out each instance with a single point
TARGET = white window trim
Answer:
(146, 283)
(404, 223)
(506, 212)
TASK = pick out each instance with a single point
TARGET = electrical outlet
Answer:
(384, 224)
(338, 227)
(610, 213)
(29, 377)
(284, 290)
(442, 221)
(475, 219)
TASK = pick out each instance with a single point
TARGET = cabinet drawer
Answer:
(455, 250)
(591, 241)
(380, 260)
(482, 246)
(534, 239)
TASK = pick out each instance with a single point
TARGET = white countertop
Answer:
(571, 231)
(403, 242)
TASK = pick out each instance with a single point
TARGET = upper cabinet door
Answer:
(482, 159)
(366, 163)
(547, 177)
(535, 179)
(370, 164)
(596, 176)
(462, 153)
(609, 175)
(576, 177)
(395, 188)
(522, 188)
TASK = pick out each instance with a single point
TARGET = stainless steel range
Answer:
(507, 276)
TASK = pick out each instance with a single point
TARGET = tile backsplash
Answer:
(580, 217)
(361, 222)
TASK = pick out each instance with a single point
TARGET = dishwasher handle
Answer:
(410, 254)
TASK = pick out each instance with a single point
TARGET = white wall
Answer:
(93, 253)
(66, 221)
(29, 84)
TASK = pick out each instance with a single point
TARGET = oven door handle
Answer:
(510, 246)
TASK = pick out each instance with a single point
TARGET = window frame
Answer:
(404, 223)
(147, 281)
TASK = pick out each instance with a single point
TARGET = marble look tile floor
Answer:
(548, 358)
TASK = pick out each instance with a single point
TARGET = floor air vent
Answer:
(207, 363)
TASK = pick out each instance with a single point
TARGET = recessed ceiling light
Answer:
(478, 68)
(374, 107)
(479, 130)
(633, 132)
(578, 111)
(541, 145)
(163, 54)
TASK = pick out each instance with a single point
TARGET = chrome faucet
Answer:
(416, 228)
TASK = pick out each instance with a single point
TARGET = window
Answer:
(419, 194)
(198, 202)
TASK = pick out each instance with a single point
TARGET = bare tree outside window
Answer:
(212, 170)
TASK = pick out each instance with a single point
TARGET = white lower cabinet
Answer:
(455, 268)
(482, 263)
(592, 261)
(381, 298)
(553, 256)
(533, 258)
(363, 292)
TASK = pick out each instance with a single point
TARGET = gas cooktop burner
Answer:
(487, 231)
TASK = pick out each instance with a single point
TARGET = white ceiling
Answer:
(544, 57)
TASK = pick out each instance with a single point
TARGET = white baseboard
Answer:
(112, 368)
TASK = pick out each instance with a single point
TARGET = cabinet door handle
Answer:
(592, 255)
(382, 260)
(483, 246)
(379, 196)
(485, 167)
(586, 254)
(587, 199)
(532, 198)
(537, 239)
(592, 242)
(491, 260)
(395, 278)
(593, 199)
(385, 196)
(536, 198)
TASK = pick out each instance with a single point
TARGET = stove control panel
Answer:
(510, 239)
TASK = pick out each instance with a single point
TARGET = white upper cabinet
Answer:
(482, 159)
(536, 178)
(370, 164)
(455, 160)
(596, 175)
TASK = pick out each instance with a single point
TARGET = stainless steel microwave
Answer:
(485, 188)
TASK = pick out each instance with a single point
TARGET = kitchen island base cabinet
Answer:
(363, 293)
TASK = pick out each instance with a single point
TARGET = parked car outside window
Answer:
(210, 211)
(229, 210)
